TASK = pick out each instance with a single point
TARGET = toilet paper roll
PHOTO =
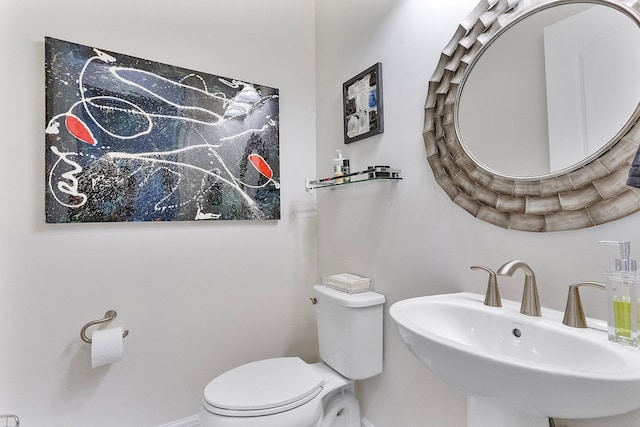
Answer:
(106, 346)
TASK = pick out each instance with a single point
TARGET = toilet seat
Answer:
(263, 387)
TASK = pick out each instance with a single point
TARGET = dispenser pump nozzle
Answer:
(624, 263)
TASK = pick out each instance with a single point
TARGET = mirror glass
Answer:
(552, 91)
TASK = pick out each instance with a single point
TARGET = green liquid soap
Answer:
(622, 317)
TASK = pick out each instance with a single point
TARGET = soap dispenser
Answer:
(341, 167)
(622, 297)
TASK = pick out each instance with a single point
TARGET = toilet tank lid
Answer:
(263, 384)
(361, 299)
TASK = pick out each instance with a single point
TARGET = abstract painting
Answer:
(128, 139)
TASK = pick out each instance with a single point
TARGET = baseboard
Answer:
(193, 421)
(365, 423)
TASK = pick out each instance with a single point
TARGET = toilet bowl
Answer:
(282, 392)
(288, 392)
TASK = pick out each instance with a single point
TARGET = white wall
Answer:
(198, 298)
(409, 236)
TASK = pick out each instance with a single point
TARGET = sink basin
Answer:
(534, 367)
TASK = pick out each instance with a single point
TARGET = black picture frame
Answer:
(362, 105)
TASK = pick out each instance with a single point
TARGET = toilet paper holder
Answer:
(108, 316)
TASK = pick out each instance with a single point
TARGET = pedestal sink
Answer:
(519, 370)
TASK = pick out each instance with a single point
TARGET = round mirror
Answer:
(489, 89)
(552, 90)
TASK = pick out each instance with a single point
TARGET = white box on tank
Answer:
(350, 331)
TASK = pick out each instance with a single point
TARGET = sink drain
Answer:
(516, 332)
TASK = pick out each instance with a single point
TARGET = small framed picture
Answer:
(362, 103)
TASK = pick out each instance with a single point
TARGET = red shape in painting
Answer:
(79, 129)
(261, 166)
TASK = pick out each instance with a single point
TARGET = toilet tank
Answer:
(350, 331)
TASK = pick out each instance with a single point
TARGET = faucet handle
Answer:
(573, 313)
(492, 296)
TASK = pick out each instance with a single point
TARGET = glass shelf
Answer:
(373, 173)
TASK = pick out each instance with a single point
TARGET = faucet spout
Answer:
(530, 305)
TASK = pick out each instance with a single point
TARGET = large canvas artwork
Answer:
(129, 139)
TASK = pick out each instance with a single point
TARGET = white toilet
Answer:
(287, 392)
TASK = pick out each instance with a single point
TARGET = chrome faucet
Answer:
(573, 313)
(530, 301)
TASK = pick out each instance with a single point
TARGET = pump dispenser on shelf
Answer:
(623, 282)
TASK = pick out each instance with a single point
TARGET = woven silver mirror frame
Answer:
(587, 194)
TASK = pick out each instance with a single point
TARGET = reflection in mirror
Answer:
(552, 91)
